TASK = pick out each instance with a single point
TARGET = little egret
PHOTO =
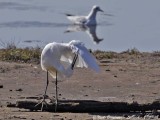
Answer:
(90, 19)
(59, 59)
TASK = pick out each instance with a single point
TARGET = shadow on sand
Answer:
(88, 106)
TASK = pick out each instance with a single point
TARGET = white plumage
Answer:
(55, 57)
(59, 59)
(90, 19)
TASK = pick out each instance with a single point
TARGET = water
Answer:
(32, 23)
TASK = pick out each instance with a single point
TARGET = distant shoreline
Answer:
(32, 55)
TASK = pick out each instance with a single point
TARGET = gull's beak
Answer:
(101, 10)
(107, 14)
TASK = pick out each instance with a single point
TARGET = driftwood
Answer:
(82, 106)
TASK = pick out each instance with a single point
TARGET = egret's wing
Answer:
(85, 58)
(67, 59)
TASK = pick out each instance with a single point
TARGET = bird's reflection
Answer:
(90, 30)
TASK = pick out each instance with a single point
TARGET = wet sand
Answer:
(122, 79)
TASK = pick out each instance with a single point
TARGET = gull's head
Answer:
(97, 8)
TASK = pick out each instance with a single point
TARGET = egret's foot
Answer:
(43, 102)
(54, 101)
(56, 104)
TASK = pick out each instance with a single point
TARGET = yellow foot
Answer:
(54, 101)
(43, 102)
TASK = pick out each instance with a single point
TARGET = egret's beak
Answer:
(74, 60)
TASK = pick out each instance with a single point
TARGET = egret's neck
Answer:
(64, 49)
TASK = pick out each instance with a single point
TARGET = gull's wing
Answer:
(77, 19)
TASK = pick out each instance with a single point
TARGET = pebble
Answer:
(19, 90)
(86, 95)
(108, 70)
(1, 86)
(125, 115)
(115, 76)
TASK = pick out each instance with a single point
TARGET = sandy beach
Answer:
(125, 78)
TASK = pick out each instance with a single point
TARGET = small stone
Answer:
(125, 115)
(108, 70)
(1, 86)
(115, 75)
(142, 115)
(19, 90)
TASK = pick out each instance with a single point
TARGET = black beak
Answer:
(101, 10)
(74, 60)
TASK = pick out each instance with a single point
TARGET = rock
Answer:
(20, 89)
(1, 86)
(125, 115)
(108, 70)
(115, 76)
(86, 95)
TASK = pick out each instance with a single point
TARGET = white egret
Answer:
(90, 19)
(55, 56)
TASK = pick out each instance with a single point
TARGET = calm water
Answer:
(31, 23)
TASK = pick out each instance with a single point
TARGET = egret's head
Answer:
(97, 8)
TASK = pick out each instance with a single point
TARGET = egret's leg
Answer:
(56, 102)
(46, 85)
(44, 96)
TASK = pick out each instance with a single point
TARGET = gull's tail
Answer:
(68, 14)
